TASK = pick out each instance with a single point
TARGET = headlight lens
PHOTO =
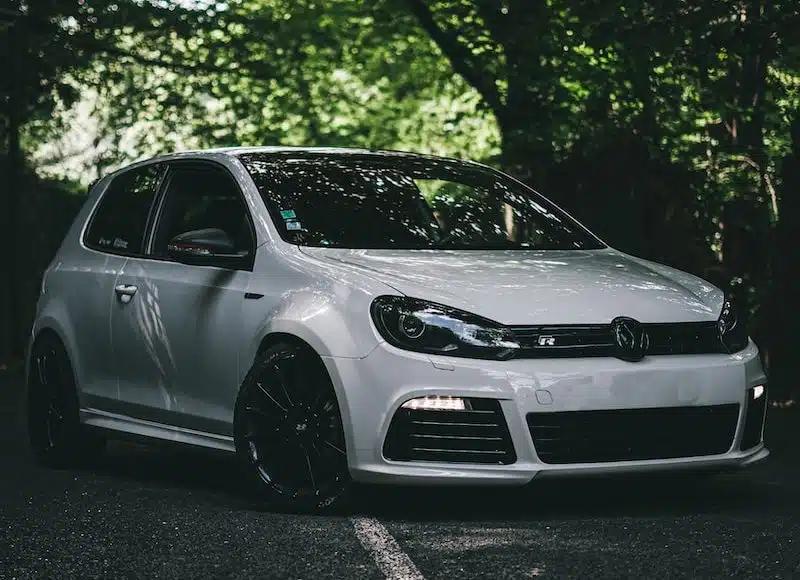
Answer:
(732, 329)
(421, 326)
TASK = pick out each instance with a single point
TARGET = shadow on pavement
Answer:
(571, 499)
(217, 476)
(173, 468)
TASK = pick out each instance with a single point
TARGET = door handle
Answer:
(125, 292)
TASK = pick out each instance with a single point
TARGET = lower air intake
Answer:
(633, 434)
(476, 435)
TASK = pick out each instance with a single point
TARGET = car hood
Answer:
(538, 287)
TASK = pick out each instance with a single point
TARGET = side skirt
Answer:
(122, 425)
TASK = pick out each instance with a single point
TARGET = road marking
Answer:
(390, 558)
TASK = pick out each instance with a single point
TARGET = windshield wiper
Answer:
(451, 237)
(451, 243)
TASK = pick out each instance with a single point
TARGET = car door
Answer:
(175, 331)
(116, 231)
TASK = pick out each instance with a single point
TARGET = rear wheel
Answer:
(56, 435)
(289, 433)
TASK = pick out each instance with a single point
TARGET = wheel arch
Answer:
(328, 363)
(54, 326)
(274, 338)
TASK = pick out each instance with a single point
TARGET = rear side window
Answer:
(120, 220)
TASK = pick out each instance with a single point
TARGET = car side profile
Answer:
(340, 315)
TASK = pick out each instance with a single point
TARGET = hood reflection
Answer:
(537, 287)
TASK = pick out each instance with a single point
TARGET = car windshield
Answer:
(405, 202)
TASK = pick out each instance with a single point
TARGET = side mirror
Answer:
(207, 247)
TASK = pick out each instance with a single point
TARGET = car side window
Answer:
(201, 197)
(120, 220)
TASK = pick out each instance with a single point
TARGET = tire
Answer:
(55, 433)
(289, 434)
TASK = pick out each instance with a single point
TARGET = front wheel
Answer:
(289, 433)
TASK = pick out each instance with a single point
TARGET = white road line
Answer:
(390, 558)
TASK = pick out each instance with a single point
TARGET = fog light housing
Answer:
(755, 410)
(437, 403)
(446, 429)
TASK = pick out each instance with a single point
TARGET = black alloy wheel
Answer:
(55, 433)
(288, 431)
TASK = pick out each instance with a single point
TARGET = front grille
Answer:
(479, 435)
(576, 341)
(684, 338)
(633, 434)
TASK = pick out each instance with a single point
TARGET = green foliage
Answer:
(273, 72)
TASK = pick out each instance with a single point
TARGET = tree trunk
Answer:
(10, 327)
(784, 312)
(526, 117)
(746, 220)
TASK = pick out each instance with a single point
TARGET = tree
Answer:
(42, 44)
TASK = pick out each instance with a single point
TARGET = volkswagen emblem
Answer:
(630, 338)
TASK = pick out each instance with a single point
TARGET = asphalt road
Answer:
(155, 512)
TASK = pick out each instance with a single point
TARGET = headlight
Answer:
(732, 330)
(413, 324)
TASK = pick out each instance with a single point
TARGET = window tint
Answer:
(119, 223)
(200, 197)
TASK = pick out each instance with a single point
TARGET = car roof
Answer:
(216, 153)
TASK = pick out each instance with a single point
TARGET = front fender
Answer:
(325, 305)
(332, 327)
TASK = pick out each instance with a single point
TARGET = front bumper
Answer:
(372, 389)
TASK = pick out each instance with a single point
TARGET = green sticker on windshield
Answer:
(288, 214)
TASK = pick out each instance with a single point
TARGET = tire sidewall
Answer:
(73, 446)
(336, 498)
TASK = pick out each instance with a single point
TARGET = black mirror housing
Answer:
(206, 247)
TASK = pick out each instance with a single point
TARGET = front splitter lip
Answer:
(523, 472)
(729, 461)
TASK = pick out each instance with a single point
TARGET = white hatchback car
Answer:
(352, 315)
